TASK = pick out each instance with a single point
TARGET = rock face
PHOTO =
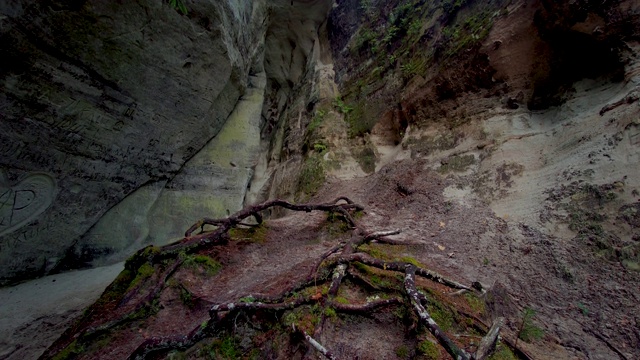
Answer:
(124, 123)
(101, 101)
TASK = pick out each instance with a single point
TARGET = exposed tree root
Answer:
(337, 262)
(316, 345)
(425, 318)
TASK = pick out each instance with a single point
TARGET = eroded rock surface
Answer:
(99, 99)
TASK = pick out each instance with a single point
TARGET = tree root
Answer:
(316, 345)
(337, 261)
(416, 299)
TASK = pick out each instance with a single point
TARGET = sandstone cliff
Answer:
(501, 136)
(123, 122)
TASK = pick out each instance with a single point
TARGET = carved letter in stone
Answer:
(24, 201)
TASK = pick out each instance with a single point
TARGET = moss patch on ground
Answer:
(205, 264)
(257, 234)
(457, 163)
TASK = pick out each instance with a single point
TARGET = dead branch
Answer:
(356, 276)
(425, 318)
(378, 234)
(629, 99)
(323, 257)
(254, 211)
(481, 326)
(488, 342)
(237, 306)
(399, 266)
(178, 342)
(316, 345)
(363, 308)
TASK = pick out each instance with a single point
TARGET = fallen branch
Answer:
(488, 342)
(316, 345)
(425, 318)
(399, 266)
(255, 210)
(378, 234)
(363, 308)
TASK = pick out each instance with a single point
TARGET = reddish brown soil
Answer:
(585, 317)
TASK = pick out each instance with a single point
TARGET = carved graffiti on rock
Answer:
(24, 201)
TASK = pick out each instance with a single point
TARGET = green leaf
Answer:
(182, 7)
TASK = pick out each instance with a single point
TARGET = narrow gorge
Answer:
(347, 173)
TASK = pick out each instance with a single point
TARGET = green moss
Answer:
(410, 260)
(475, 303)
(341, 106)
(341, 300)
(402, 351)
(374, 250)
(116, 290)
(247, 299)
(178, 5)
(142, 256)
(176, 355)
(631, 265)
(336, 224)
(583, 309)
(441, 315)
(467, 33)
(186, 297)
(144, 272)
(312, 176)
(206, 263)
(414, 66)
(502, 352)
(429, 144)
(257, 234)
(365, 39)
(330, 312)
(304, 317)
(146, 311)
(316, 121)
(429, 350)
(362, 118)
(71, 351)
(223, 348)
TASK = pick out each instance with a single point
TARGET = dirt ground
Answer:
(591, 314)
